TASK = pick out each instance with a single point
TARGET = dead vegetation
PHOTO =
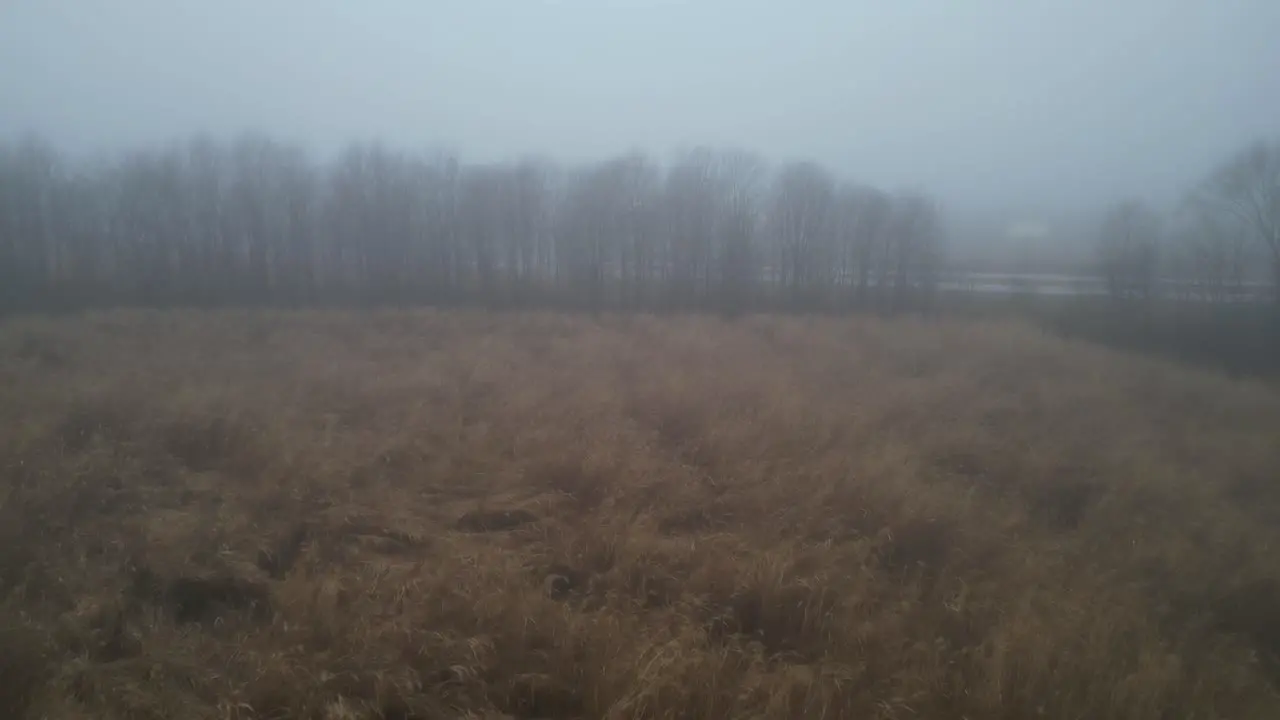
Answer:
(417, 515)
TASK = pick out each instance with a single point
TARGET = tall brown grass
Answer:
(428, 514)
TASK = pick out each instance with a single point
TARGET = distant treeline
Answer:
(1210, 248)
(258, 221)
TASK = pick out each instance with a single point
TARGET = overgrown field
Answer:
(458, 514)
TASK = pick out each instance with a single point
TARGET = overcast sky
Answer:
(1011, 104)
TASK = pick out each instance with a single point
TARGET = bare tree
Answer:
(689, 210)
(862, 214)
(872, 219)
(1128, 250)
(710, 211)
(915, 237)
(1209, 253)
(605, 230)
(739, 185)
(1247, 188)
(28, 177)
(802, 219)
(529, 225)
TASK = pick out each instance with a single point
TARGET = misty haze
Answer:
(639, 359)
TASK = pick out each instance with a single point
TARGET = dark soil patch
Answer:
(384, 543)
(91, 419)
(24, 666)
(117, 642)
(213, 443)
(397, 709)
(560, 581)
(17, 551)
(784, 621)
(572, 479)
(479, 521)
(1063, 505)
(1254, 490)
(918, 544)
(278, 560)
(43, 350)
(695, 520)
(356, 536)
(962, 463)
(536, 695)
(653, 588)
(1253, 612)
(199, 600)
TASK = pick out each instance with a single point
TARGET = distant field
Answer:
(416, 515)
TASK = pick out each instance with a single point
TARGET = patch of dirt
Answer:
(195, 599)
(482, 521)
(1063, 504)
(358, 535)
(211, 443)
(782, 620)
(652, 587)
(695, 520)
(917, 544)
(1254, 490)
(384, 543)
(117, 640)
(23, 669)
(537, 695)
(560, 581)
(17, 552)
(278, 560)
(963, 463)
(43, 350)
(92, 419)
(1252, 611)
(571, 479)
(397, 709)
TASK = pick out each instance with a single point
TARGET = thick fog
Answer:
(998, 108)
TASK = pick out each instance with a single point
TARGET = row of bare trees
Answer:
(1211, 248)
(255, 220)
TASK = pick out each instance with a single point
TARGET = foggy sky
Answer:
(990, 104)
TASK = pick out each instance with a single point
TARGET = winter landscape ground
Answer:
(432, 514)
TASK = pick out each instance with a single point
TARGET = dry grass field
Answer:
(414, 515)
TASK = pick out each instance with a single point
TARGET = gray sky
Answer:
(991, 104)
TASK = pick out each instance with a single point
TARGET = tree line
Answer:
(1211, 247)
(255, 220)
